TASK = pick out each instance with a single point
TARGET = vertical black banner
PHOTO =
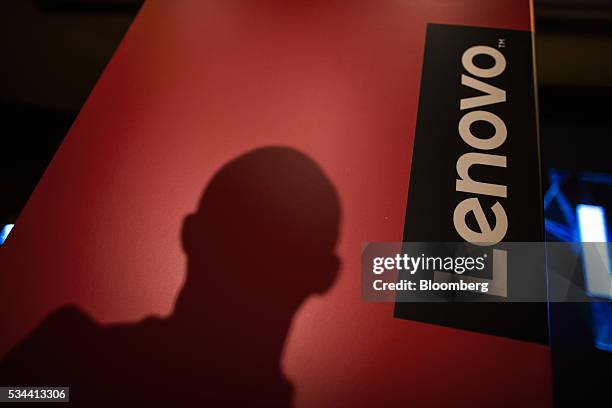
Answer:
(475, 173)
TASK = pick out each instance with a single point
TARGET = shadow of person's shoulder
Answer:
(69, 316)
(47, 353)
(65, 325)
(73, 325)
(135, 338)
(69, 342)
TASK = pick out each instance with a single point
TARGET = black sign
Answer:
(475, 174)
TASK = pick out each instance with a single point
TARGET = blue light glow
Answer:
(596, 260)
(592, 229)
(4, 233)
(592, 223)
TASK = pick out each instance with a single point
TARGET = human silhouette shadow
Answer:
(261, 242)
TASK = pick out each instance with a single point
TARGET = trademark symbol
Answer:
(501, 43)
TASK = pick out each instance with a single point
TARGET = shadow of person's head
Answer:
(261, 241)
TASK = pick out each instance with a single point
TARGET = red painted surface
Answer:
(195, 84)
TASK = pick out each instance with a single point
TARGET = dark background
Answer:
(53, 52)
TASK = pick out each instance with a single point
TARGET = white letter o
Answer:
(468, 61)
